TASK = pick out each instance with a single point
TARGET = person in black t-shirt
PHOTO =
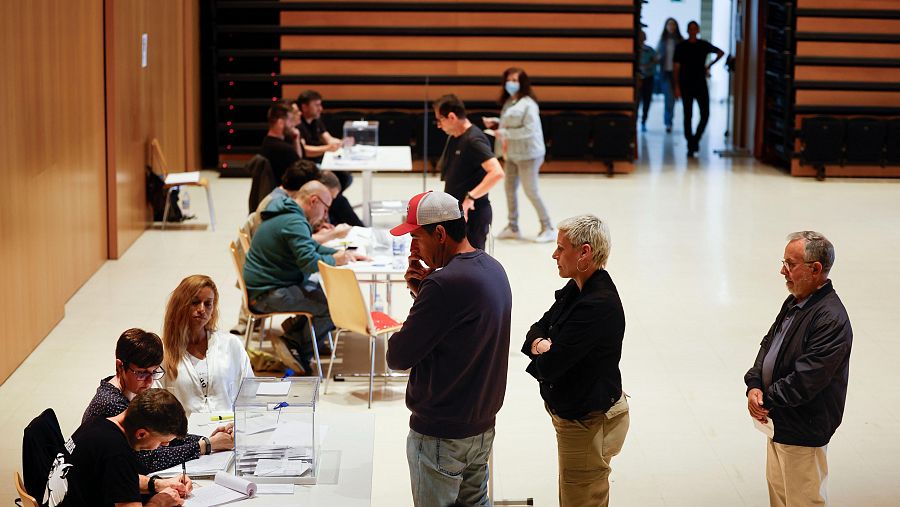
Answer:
(316, 141)
(103, 469)
(690, 73)
(469, 167)
(281, 146)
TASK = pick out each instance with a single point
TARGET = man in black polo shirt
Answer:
(316, 141)
(469, 167)
(281, 145)
(103, 469)
(689, 72)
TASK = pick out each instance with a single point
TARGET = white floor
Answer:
(696, 250)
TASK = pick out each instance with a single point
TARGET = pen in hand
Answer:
(184, 472)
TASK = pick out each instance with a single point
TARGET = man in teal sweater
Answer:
(282, 257)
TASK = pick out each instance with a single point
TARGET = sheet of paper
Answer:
(181, 178)
(225, 489)
(274, 489)
(767, 429)
(280, 467)
(292, 434)
(265, 422)
(273, 388)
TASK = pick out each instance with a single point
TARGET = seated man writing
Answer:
(103, 469)
(282, 256)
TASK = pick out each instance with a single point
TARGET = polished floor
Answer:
(695, 255)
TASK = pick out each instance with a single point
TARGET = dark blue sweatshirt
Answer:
(456, 340)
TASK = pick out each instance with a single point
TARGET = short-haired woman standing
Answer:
(520, 141)
(575, 350)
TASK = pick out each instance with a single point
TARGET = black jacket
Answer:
(580, 373)
(809, 378)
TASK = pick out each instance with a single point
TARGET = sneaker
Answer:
(509, 233)
(285, 354)
(643, 127)
(546, 236)
(669, 129)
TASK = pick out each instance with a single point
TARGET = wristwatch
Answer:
(151, 485)
(470, 196)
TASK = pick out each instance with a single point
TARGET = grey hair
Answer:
(817, 248)
(590, 230)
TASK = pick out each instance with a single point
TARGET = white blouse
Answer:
(227, 364)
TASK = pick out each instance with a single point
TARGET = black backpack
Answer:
(42, 447)
(156, 197)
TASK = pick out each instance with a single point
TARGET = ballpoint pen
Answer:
(184, 472)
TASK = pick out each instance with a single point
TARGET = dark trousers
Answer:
(479, 223)
(688, 96)
(646, 96)
(296, 299)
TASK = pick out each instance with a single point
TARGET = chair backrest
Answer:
(345, 300)
(823, 139)
(244, 238)
(41, 443)
(569, 136)
(262, 181)
(155, 154)
(27, 500)
(865, 140)
(239, 266)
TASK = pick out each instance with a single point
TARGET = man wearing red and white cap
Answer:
(456, 343)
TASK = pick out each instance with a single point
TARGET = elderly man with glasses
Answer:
(798, 384)
(139, 354)
(281, 259)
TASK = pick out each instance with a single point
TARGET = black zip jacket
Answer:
(809, 377)
(580, 373)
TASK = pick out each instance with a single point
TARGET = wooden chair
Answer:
(349, 313)
(254, 316)
(181, 179)
(27, 500)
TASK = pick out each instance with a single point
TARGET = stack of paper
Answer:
(204, 466)
(226, 489)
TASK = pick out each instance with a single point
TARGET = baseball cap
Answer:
(428, 208)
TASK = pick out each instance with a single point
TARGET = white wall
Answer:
(655, 12)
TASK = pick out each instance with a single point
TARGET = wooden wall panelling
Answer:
(848, 49)
(849, 4)
(461, 43)
(447, 19)
(568, 2)
(145, 102)
(493, 68)
(841, 25)
(52, 216)
(465, 92)
(847, 74)
(848, 98)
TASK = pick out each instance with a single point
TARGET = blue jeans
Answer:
(668, 88)
(449, 471)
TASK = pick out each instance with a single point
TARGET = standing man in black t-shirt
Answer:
(690, 72)
(316, 141)
(103, 469)
(469, 167)
(281, 145)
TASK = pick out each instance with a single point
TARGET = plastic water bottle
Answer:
(185, 199)
(378, 305)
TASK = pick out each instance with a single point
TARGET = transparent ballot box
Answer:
(275, 430)
(361, 139)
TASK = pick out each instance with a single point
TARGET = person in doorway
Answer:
(665, 52)
(690, 74)
(520, 141)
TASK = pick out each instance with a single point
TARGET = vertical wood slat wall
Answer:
(845, 62)
(375, 56)
(74, 197)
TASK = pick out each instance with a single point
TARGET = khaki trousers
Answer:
(585, 448)
(796, 475)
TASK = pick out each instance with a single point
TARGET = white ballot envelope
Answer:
(767, 429)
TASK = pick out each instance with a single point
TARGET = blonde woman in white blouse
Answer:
(204, 367)
(520, 142)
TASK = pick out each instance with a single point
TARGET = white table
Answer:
(345, 469)
(388, 158)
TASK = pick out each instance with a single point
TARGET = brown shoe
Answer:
(283, 353)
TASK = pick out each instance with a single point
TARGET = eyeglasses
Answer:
(791, 265)
(327, 206)
(142, 375)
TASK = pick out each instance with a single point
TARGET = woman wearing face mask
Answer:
(575, 350)
(204, 367)
(665, 51)
(520, 142)
(139, 354)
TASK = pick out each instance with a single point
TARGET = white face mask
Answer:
(512, 87)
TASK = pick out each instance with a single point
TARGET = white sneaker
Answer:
(509, 233)
(546, 236)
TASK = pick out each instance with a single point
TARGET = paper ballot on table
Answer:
(204, 466)
(226, 489)
(767, 429)
(273, 389)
